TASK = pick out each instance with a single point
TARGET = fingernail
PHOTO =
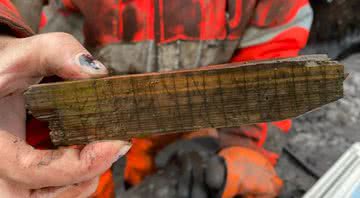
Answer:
(89, 63)
(124, 148)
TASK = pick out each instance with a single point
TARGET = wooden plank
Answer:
(121, 107)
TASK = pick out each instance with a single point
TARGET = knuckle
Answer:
(31, 168)
(61, 36)
(56, 39)
(25, 158)
(30, 158)
(25, 169)
(86, 168)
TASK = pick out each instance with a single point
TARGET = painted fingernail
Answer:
(89, 61)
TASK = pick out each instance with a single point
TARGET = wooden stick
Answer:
(121, 107)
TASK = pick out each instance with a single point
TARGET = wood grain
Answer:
(121, 107)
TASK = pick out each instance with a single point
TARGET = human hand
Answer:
(249, 174)
(234, 171)
(25, 171)
(202, 172)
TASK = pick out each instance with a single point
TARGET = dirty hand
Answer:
(202, 172)
(25, 171)
(234, 171)
(249, 174)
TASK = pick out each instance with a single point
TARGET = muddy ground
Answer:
(320, 137)
(327, 132)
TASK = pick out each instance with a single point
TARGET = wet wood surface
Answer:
(230, 95)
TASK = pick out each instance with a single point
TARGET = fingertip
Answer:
(59, 54)
(122, 147)
(105, 151)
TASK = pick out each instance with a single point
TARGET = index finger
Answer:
(35, 169)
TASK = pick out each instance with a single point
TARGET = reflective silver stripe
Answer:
(255, 35)
(127, 57)
(140, 57)
(199, 55)
(194, 53)
(150, 58)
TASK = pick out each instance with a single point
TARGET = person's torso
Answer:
(156, 35)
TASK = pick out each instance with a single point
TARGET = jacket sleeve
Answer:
(278, 29)
(11, 22)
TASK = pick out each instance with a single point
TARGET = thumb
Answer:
(35, 169)
(25, 61)
(60, 54)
